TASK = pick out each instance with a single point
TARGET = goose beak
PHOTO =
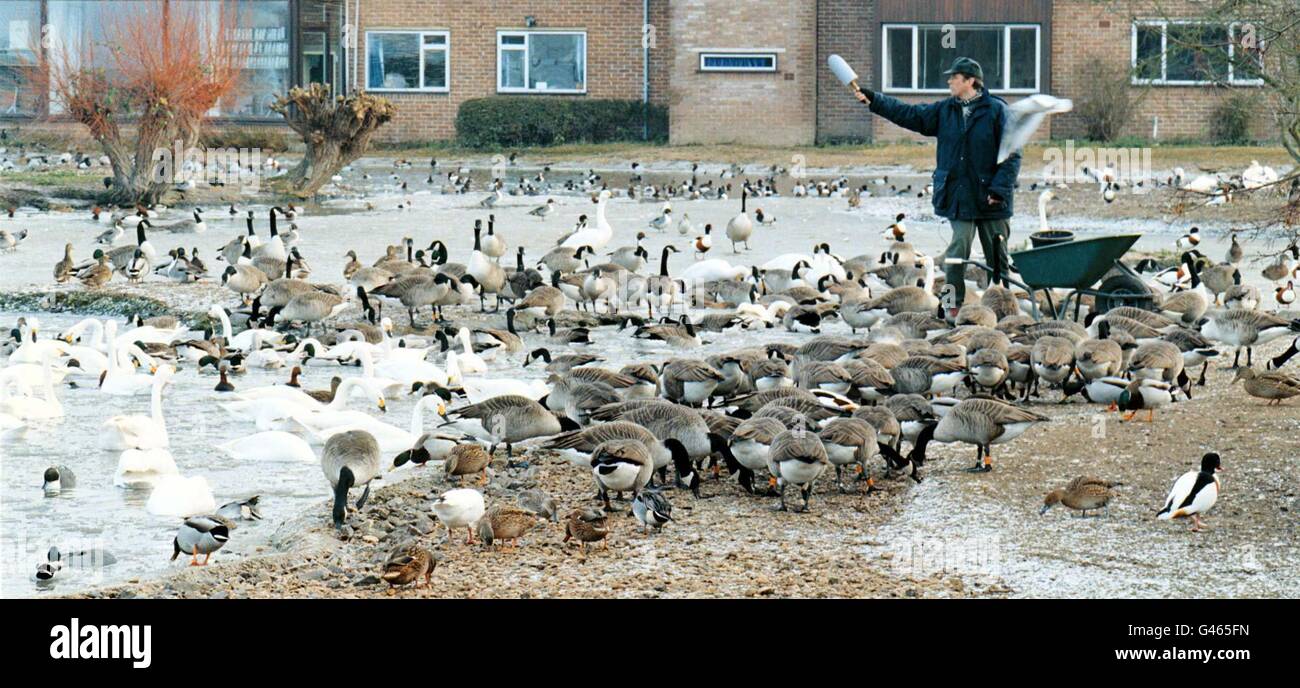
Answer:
(382, 406)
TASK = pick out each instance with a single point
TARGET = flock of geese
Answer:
(861, 403)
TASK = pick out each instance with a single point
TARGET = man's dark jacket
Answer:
(967, 169)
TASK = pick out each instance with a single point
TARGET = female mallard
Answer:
(586, 525)
(1276, 386)
(468, 459)
(1194, 493)
(507, 523)
(406, 564)
(1082, 494)
(984, 422)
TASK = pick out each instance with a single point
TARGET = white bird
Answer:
(174, 495)
(141, 432)
(460, 508)
(596, 236)
(1023, 119)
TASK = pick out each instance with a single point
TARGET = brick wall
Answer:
(844, 27)
(661, 52)
(614, 53)
(776, 109)
(1086, 29)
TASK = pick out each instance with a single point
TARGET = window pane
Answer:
(512, 69)
(435, 68)
(513, 40)
(1148, 52)
(556, 61)
(394, 60)
(1024, 58)
(984, 45)
(899, 43)
(262, 29)
(19, 36)
(435, 39)
(1197, 53)
(1248, 60)
(739, 62)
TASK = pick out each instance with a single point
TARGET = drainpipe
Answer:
(356, 45)
(645, 71)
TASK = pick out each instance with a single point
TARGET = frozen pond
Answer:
(98, 514)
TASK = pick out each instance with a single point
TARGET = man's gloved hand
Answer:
(995, 200)
(863, 97)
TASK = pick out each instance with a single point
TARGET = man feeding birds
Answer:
(973, 185)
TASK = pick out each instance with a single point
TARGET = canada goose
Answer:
(688, 381)
(565, 258)
(460, 508)
(1082, 494)
(631, 258)
(510, 419)
(200, 535)
(1275, 386)
(121, 256)
(679, 334)
(667, 420)
(562, 363)
(350, 459)
(797, 457)
(1101, 357)
(243, 280)
(1185, 306)
(849, 441)
(414, 291)
(740, 227)
(908, 299)
(984, 422)
(194, 225)
(1244, 296)
(1053, 359)
(1194, 493)
(623, 465)
(493, 245)
(1245, 329)
(1217, 277)
(309, 307)
(1159, 360)
(574, 335)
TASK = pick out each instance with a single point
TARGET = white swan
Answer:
(120, 378)
(141, 432)
(713, 269)
(274, 407)
(273, 445)
(596, 236)
(244, 341)
(391, 438)
(140, 468)
(33, 408)
(181, 497)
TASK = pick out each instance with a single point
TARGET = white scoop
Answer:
(843, 71)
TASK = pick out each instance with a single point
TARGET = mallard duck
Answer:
(468, 459)
(586, 525)
(1276, 386)
(1145, 394)
(201, 535)
(406, 564)
(461, 508)
(1082, 494)
(508, 523)
(98, 274)
(241, 510)
(652, 509)
(1194, 493)
(984, 422)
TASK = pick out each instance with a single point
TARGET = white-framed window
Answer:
(1192, 53)
(750, 61)
(915, 56)
(408, 61)
(541, 61)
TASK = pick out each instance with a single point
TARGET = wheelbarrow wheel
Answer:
(1123, 290)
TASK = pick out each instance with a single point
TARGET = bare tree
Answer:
(336, 130)
(161, 74)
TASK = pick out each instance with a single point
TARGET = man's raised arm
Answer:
(922, 119)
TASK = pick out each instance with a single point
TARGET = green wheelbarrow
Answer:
(1078, 266)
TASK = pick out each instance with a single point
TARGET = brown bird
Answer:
(468, 459)
(405, 565)
(586, 525)
(1274, 385)
(1082, 494)
(508, 523)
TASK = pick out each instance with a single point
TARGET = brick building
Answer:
(744, 72)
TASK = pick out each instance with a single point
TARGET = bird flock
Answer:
(878, 371)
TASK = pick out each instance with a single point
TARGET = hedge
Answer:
(500, 121)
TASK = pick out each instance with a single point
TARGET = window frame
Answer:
(1163, 24)
(526, 50)
(767, 54)
(1006, 28)
(420, 36)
